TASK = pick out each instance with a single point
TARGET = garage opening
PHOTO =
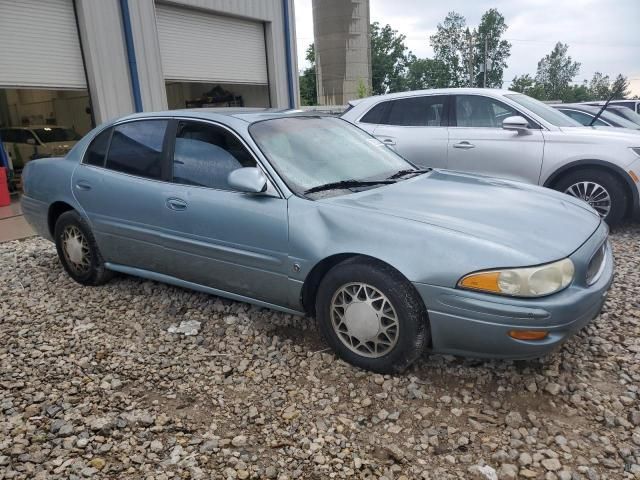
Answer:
(212, 60)
(44, 102)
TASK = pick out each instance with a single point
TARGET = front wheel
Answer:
(371, 316)
(600, 189)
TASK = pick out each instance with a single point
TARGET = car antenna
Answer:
(604, 107)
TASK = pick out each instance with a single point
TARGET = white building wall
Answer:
(106, 59)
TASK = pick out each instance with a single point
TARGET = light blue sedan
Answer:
(308, 214)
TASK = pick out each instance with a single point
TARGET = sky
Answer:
(603, 35)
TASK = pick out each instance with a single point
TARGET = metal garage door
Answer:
(200, 47)
(39, 45)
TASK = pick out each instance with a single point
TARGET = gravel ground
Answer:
(92, 384)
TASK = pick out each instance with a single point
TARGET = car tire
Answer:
(379, 297)
(78, 250)
(573, 184)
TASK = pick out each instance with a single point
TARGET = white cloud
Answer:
(602, 36)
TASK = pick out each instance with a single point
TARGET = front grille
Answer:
(596, 265)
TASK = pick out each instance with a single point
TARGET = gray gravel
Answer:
(92, 384)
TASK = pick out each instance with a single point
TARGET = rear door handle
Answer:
(388, 141)
(464, 145)
(82, 185)
(176, 204)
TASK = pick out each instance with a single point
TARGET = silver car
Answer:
(310, 215)
(509, 135)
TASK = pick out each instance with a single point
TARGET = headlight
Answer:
(636, 150)
(522, 282)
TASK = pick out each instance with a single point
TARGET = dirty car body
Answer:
(277, 247)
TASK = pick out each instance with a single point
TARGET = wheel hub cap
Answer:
(76, 249)
(594, 194)
(364, 320)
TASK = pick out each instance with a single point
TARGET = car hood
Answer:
(541, 223)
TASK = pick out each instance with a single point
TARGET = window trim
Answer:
(274, 184)
(453, 122)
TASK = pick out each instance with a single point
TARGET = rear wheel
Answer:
(371, 316)
(600, 189)
(78, 251)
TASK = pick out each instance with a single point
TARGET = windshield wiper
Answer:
(347, 184)
(402, 173)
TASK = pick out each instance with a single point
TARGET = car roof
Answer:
(494, 92)
(578, 106)
(248, 115)
(32, 127)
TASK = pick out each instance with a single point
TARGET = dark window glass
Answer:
(204, 155)
(583, 118)
(97, 151)
(8, 135)
(483, 112)
(376, 114)
(136, 148)
(417, 111)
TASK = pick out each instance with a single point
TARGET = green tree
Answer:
(389, 59)
(556, 71)
(426, 73)
(489, 33)
(308, 87)
(620, 87)
(599, 87)
(527, 85)
(451, 46)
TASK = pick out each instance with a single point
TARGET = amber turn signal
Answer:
(528, 334)
(487, 281)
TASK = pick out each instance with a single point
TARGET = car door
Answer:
(479, 144)
(416, 128)
(221, 238)
(121, 185)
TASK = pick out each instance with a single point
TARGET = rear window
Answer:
(376, 114)
(136, 148)
(97, 151)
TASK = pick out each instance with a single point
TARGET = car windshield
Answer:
(56, 134)
(547, 113)
(309, 152)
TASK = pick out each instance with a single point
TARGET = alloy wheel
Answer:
(364, 320)
(592, 193)
(76, 249)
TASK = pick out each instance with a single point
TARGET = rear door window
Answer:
(426, 111)
(136, 148)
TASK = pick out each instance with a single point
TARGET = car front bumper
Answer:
(477, 325)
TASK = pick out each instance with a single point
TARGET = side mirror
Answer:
(31, 141)
(515, 123)
(248, 179)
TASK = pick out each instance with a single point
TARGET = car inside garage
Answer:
(212, 60)
(44, 101)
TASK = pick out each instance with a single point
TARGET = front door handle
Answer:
(82, 185)
(464, 145)
(388, 141)
(176, 204)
